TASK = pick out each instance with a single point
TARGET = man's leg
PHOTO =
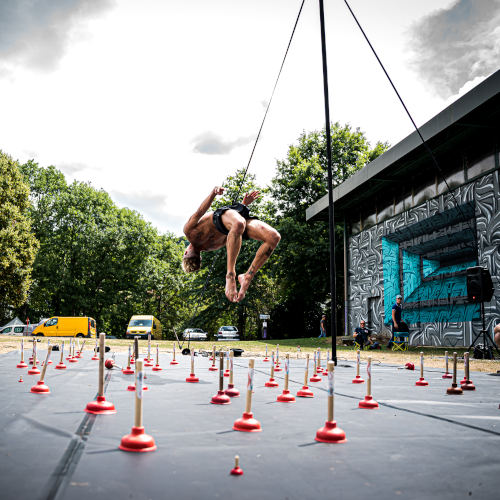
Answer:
(260, 231)
(235, 224)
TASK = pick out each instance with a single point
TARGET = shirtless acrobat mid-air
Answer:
(228, 226)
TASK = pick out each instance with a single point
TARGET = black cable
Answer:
(428, 149)
(235, 199)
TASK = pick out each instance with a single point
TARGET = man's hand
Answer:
(218, 190)
(250, 197)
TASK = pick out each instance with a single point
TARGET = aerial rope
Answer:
(240, 187)
(424, 142)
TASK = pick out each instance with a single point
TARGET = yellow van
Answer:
(59, 326)
(140, 326)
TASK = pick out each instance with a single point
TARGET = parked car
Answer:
(194, 334)
(228, 333)
(17, 330)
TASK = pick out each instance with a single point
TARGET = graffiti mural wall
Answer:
(423, 254)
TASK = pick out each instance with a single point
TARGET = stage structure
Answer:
(407, 234)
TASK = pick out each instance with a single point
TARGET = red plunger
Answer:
(330, 433)
(454, 389)
(271, 382)
(446, 374)
(285, 396)
(174, 361)
(220, 398)
(357, 379)
(34, 370)
(231, 391)
(247, 423)
(305, 392)
(128, 369)
(237, 471)
(467, 384)
(421, 382)
(192, 377)
(22, 364)
(213, 368)
(368, 403)
(41, 387)
(138, 441)
(61, 365)
(101, 406)
(157, 367)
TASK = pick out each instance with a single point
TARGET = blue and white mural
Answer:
(423, 254)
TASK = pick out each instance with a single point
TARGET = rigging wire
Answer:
(250, 159)
(426, 146)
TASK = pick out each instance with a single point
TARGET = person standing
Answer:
(322, 326)
(398, 325)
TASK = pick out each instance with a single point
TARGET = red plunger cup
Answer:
(22, 364)
(101, 406)
(271, 382)
(128, 370)
(220, 398)
(247, 423)
(467, 385)
(305, 392)
(330, 433)
(138, 440)
(34, 370)
(213, 368)
(157, 367)
(454, 389)
(40, 387)
(286, 397)
(368, 403)
(174, 362)
(357, 379)
(421, 382)
(231, 391)
(61, 365)
(192, 377)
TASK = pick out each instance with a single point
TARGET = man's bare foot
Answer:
(245, 280)
(231, 290)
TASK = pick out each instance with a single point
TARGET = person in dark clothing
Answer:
(361, 335)
(398, 325)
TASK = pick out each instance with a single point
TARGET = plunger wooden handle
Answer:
(62, 353)
(248, 407)
(227, 360)
(157, 354)
(319, 358)
(34, 353)
(22, 350)
(357, 363)
(331, 367)
(149, 346)
(213, 356)
(421, 365)
(129, 354)
(287, 369)
(466, 366)
(221, 373)
(139, 374)
(44, 369)
(236, 461)
(272, 364)
(306, 373)
(83, 346)
(369, 381)
(231, 366)
(102, 339)
(174, 351)
(455, 368)
(446, 360)
(136, 349)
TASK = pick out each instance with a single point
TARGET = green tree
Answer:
(303, 255)
(18, 246)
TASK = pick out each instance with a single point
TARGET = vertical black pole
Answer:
(331, 222)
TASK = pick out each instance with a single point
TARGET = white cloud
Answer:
(210, 143)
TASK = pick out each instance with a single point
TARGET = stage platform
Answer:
(420, 443)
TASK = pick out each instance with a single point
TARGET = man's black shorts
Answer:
(240, 208)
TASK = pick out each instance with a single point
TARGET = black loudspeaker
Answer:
(479, 285)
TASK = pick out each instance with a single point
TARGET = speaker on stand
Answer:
(479, 291)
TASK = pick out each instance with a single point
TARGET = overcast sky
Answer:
(157, 101)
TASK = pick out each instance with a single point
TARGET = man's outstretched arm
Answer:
(202, 209)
